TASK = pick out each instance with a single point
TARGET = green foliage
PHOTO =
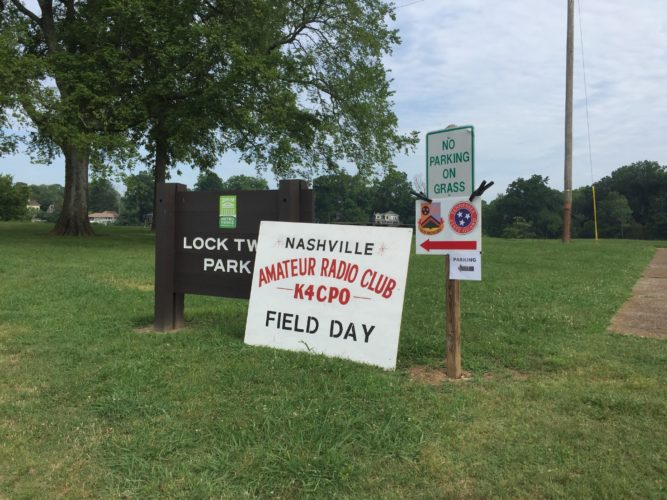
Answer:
(13, 199)
(102, 196)
(48, 195)
(93, 405)
(631, 203)
(297, 87)
(614, 213)
(138, 199)
(529, 201)
(245, 182)
(519, 229)
(342, 197)
(644, 185)
(208, 181)
(60, 69)
(291, 86)
(392, 192)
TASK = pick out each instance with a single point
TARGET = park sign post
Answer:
(205, 241)
(452, 227)
(450, 162)
(330, 289)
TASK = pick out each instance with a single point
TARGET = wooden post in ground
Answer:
(453, 323)
(168, 303)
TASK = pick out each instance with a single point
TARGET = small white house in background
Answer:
(33, 205)
(386, 219)
(107, 217)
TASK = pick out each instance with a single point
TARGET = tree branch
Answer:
(25, 11)
(306, 22)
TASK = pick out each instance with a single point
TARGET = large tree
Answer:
(291, 86)
(56, 65)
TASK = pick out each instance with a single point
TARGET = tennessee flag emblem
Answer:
(430, 221)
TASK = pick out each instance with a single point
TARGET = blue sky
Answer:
(500, 66)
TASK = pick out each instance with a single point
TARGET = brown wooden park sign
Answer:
(205, 241)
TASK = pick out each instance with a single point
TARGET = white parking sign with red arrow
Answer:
(448, 224)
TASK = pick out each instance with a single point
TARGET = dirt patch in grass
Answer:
(645, 314)
(433, 376)
(123, 284)
(150, 329)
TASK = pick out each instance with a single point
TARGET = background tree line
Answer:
(340, 197)
(132, 206)
(631, 203)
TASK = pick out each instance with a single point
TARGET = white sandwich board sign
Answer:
(450, 162)
(329, 289)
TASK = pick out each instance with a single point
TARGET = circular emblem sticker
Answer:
(463, 217)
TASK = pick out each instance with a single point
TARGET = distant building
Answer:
(107, 217)
(386, 219)
(33, 205)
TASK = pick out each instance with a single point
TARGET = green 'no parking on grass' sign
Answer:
(450, 162)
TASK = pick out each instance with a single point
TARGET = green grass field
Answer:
(555, 406)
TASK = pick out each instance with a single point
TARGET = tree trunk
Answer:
(159, 169)
(73, 220)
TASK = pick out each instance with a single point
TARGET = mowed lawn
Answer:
(555, 406)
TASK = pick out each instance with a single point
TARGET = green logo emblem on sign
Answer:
(227, 219)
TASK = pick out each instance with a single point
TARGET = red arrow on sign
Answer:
(429, 245)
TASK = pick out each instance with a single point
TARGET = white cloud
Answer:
(500, 66)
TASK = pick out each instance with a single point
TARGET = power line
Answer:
(408, 4)
(583, 64)
(588, 123)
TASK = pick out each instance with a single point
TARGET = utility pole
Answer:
(569, 66)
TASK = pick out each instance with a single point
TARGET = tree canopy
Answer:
(57, 64)
(291, 86)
